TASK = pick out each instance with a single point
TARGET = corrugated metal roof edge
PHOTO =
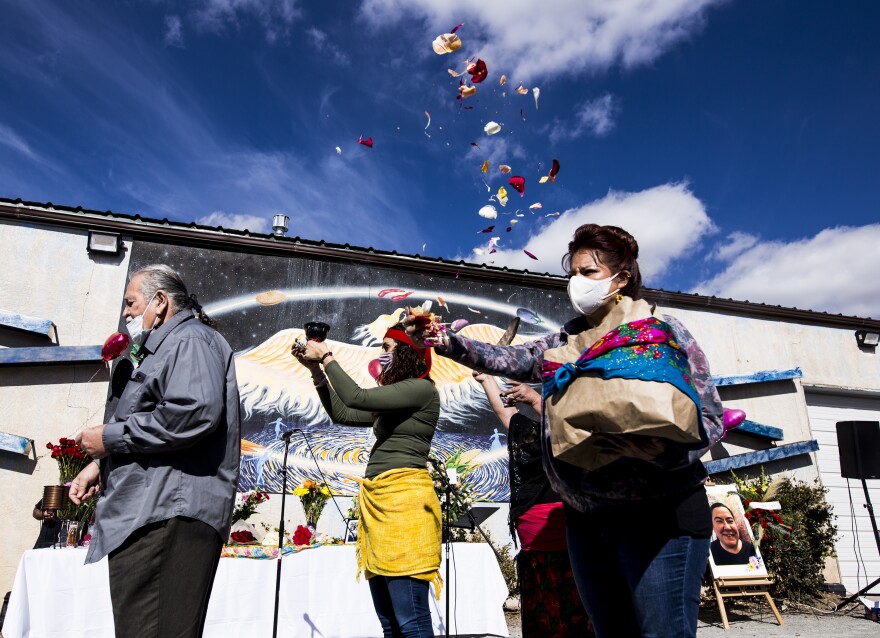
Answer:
(245, 241)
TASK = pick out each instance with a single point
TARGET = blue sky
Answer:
(738, 141)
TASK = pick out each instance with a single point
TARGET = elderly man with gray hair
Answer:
(169, 459)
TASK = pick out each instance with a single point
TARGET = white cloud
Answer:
(734, 244)
(835, 271)
(173, 31)
(235, 221)
(667, 221)
(274, 16)
(13, 140)
(323, 44)
(532, 39)
(595, 117)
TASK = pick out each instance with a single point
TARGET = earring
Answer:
(618, 298)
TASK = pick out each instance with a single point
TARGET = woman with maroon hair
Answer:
(398, 545)
(638, 526)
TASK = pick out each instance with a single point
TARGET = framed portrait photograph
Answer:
(733, 551)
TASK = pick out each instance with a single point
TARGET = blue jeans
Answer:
(402, 606)
(637, 582)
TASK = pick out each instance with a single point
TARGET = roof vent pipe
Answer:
(279, 225)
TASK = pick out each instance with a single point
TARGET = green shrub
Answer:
(796, 541)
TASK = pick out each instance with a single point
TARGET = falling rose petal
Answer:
(397, 298)
(366, 142)
(554, 170)
(488, 229)
(522, 90)
(530, 255)
(514, 222)
(493, 241)
(485, 167)
(536, 206)
(522, 114)
(423, 247)
(456, 27)
(489, 212)
(552, 215)
(458, 324)
(478, 71)
(475, 144)
(503, 80)
(428, 115)
(502, 196)
(446, 43)
(519, 214)
(504, 168)
(474, 310)
(426, 306)
(519, 184)
(509, 228)
(453, 72)
(488, 188)
(544, 179)
(388, 291)
(338, 151)
(442, 303)
(467, 91)
(536, 92)
(492, 251)
(492, 128)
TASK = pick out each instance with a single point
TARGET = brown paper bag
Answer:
(596, 421)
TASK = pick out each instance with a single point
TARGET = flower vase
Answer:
(312, 525)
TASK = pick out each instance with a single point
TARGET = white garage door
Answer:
(856, 548)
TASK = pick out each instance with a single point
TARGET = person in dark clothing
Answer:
(549, 602)
(50, 526)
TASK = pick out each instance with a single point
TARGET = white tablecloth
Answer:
(56, 595)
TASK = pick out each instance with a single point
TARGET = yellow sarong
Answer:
(399, 527)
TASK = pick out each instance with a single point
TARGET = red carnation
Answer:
(302, 535)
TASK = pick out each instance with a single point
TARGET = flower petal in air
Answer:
(485, 167)
(456, 27)
(519, 184)
(522, 90)
(489, 212)
(503, 80)
(554, 170)
(446, 43)
(492, 128)
(368, 142)
(530, 255)
(338, 151)
(504, 168)
(536, 92)
(488, 229)
(502, 196)
(466, 91)
(544, 179)
(535, 206)
(478, 71)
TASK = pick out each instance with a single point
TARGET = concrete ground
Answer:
(749, 620)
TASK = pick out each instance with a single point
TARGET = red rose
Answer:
(302, 535)
(242, 537)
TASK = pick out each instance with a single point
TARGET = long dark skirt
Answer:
(550, 605)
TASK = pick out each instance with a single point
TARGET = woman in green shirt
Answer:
(399, 525)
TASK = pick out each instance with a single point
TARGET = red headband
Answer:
(400, 335)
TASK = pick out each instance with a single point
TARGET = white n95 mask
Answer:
(587, 294)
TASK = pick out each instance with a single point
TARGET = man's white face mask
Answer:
(587, 295)
(134, 326)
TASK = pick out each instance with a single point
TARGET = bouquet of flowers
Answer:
(302, 535)
(313, 498)
(247, 504)
(71, 461)
(242, 537)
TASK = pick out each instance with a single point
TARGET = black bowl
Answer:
(316, 330)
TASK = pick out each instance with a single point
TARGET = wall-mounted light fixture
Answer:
(867, 339)
(104, 243)
(279, 224)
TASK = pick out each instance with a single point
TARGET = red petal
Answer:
(457, 27)
(401, 297)
(488, 229)
(509, 228)
(478, 71)
(554, 170)
(475, 144)
(530, 255)
(492, 251)
(519, 184)
(366, 142)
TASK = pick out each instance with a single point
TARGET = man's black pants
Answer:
(161, 578)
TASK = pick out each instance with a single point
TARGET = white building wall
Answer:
(48, 273)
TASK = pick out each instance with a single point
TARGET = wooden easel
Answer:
(740, 587)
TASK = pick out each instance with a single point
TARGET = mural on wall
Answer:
(262, 303)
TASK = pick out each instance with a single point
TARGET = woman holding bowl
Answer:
(398, 542)
(636, 513)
